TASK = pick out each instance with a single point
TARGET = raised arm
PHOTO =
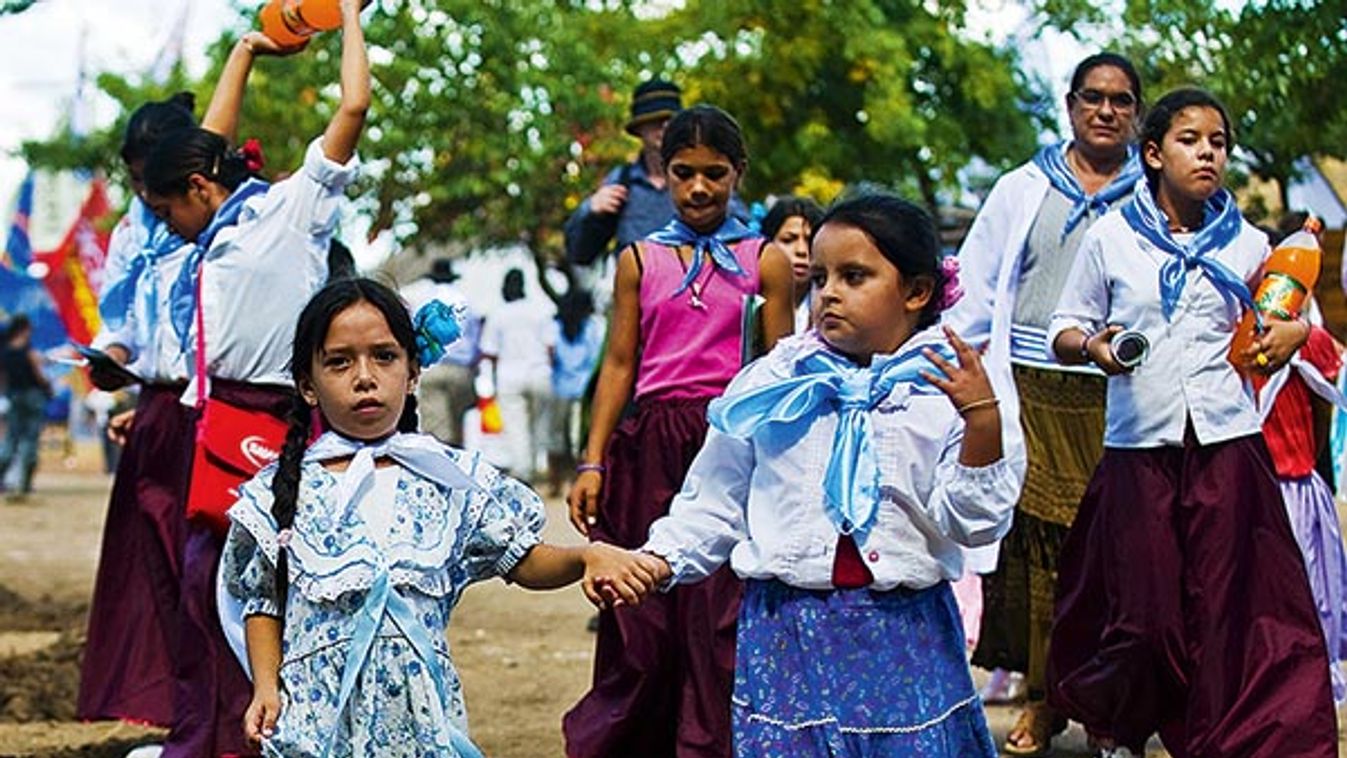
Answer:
(343, 132)
(222, 115)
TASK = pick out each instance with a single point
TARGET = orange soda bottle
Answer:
(1292, 270)
(291, 22)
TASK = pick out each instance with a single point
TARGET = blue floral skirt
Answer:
(854, 673)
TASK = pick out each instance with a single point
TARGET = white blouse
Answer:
(1187, 375)
(258, 275)
(759, 503)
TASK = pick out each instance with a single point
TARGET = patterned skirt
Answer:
(854, 673)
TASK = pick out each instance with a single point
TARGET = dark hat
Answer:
(654, 100)
(442, 271)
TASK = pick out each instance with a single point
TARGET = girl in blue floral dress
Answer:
(843, 474)
(346, 557)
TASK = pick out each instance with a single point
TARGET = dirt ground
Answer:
(524, 656)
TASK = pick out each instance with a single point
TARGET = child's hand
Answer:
(583, 500)
(259, 721)
(614, 576)
(966, 384)
(260, 44)
(1279, 341)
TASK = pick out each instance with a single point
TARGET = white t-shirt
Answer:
(518, 335)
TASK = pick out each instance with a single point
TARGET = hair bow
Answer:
(251, 152)
(437, 326)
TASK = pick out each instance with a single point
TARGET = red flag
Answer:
(76, 264)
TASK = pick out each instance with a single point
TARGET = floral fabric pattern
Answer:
(440, 541)
(854, 673)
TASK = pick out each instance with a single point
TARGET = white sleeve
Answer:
(980, 259)
(706, 519)
(1084, 303)
(311, 197)
(974, 506)
(124, 244)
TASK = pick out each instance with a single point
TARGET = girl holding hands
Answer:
(843, 474)
(346, 558)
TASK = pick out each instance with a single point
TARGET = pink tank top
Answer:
(690, 350)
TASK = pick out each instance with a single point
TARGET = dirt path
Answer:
(524, 656)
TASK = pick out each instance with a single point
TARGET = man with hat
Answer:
(445, 390)
(633, 200)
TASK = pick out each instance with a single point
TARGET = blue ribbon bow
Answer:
(437, 326)
(824, 383)
(138, 281)
(182, 297)
(428, 458)
(1051, 159)
(716, 244)
(1221, 222)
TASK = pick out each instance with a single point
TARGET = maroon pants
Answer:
(127, 671)
(663, 671)
(212, 692)
(1183, 608)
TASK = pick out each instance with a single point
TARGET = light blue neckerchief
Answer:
(1221, 224)
(428, 458)
(716, 244)
(182, 297)
(826, 383)
(139, 281)
(1052, 160)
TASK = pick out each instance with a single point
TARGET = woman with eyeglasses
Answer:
(1015, 263)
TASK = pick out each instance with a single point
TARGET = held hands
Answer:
(1279, 341)
(583, 500)
(259, 721)
(608, 199)
(616, 577)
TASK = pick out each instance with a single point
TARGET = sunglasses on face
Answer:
(1093, 98)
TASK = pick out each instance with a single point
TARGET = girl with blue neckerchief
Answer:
(347, 556)
(663, 672)
(1183, 605)
(843, 475)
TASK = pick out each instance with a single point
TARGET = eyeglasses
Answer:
(1093, 98)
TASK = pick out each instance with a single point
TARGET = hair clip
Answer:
(283, 537)
(953, 291)
(251, 152)
(437, 326)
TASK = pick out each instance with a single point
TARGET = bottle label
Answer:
(292, 14)
(1280, 296)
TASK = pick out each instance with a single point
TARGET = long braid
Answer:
(409, 421)
(285, 489)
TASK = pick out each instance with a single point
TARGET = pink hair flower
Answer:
(953, 291)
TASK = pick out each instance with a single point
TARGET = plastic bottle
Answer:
(1292, 270)
(291, 22)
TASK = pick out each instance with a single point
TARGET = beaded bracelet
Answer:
(581, 468)
(977, 404)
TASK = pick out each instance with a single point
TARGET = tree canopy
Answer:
(1276, 64)
(492, 119)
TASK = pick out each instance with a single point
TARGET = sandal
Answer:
(1040, 723)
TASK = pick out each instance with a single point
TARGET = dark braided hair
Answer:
(182, 152)
(310, 334)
